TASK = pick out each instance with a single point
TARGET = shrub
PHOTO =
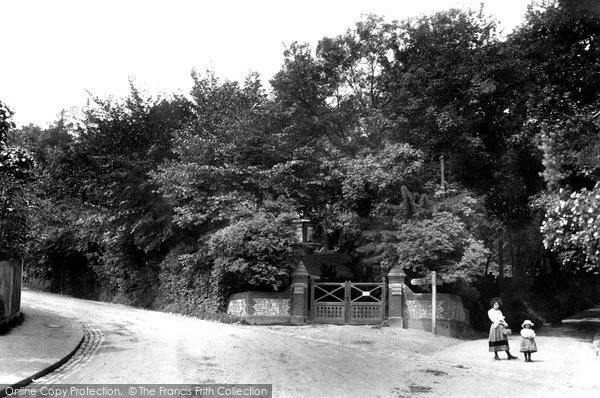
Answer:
(254, 252)
(186, 285)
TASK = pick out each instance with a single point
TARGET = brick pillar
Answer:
(299, 294)
(395, 292)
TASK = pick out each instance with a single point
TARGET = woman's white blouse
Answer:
(496, 317)
(527, 333)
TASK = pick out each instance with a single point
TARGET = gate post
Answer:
(396, 285)
(299, 294)
(347, 302)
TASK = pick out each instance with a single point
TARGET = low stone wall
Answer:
(10, 291)
(452, 318)
(261, 308)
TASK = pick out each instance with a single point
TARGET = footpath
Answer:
(42, 343)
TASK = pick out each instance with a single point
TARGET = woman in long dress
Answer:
(498, 341)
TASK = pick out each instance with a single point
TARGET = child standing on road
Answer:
(527, 342)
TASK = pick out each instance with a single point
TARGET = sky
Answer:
(55, 52)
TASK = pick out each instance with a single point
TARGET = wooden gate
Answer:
(347, 302)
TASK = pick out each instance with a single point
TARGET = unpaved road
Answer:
(138, 346)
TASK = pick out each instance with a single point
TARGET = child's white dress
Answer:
(527, 341)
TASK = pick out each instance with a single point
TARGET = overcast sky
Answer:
(53, 51)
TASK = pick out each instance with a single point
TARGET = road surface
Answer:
(130, 345)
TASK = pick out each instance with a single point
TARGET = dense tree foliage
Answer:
(562, 42)
(15, 174)
(174, 201)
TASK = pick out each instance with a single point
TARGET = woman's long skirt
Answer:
(497, 341)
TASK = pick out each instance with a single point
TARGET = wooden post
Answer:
(442, 172)
(312, 312)
(433, 301)
(347, 300)
(384, 303)
(500, 262)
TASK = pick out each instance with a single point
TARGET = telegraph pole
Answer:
(443, 182)
(433, 301)
(501, 260)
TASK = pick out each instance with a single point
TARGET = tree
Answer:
(562, 42)
(442, 84)
(15, 172)
(349, 137)
(370, 178)
(222, 156)
(96, 206)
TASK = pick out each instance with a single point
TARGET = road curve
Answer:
(129, 345)
(139, 346)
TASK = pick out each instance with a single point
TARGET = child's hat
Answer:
(527, 322)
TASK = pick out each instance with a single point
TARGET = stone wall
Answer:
(10, 291)
(261, 308)
(405, 308)
(452, 318)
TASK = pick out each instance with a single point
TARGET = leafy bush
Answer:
(255, 252)
(572, 229)
(444, 244)
(186, 285)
